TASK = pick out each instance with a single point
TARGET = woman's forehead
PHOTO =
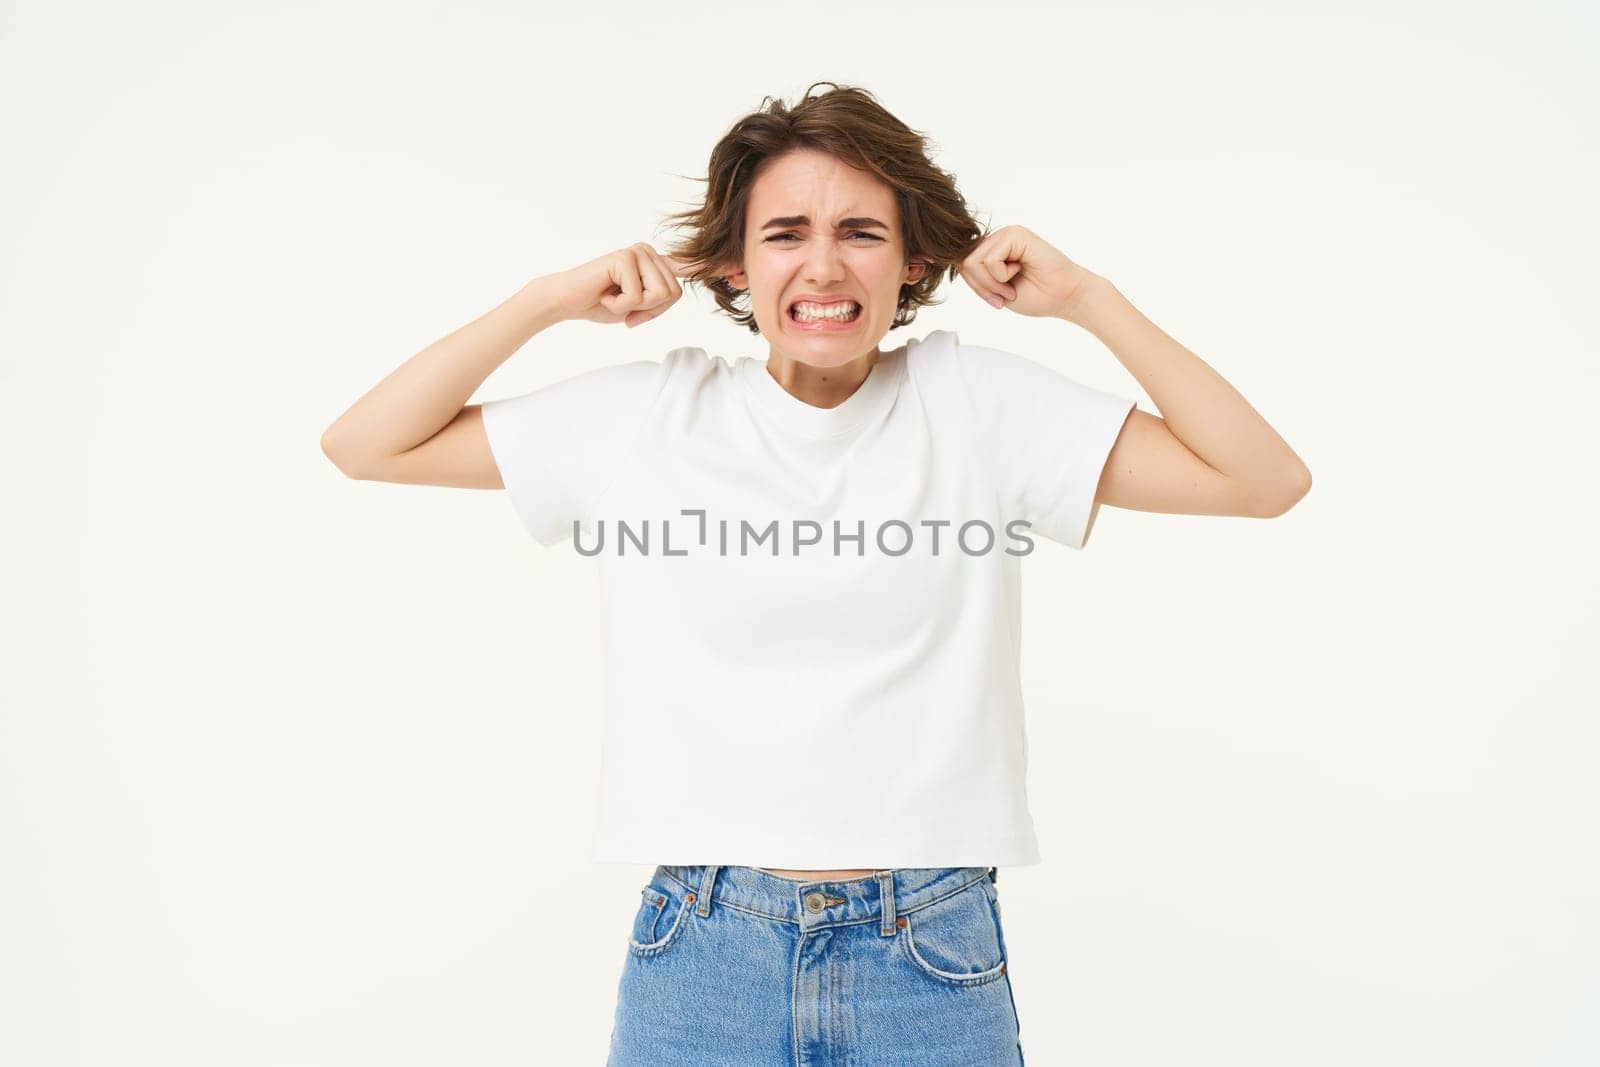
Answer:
(806, 183)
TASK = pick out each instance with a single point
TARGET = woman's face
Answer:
(817, 227)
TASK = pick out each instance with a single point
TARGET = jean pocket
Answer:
(956, 940)
(662, 915)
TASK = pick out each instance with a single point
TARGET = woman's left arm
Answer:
(1209, 452)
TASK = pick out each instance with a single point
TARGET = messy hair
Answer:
(936, 226)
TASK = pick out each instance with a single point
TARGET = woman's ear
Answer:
(733, 274)
(914, 272)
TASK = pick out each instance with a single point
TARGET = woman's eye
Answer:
(853, 233)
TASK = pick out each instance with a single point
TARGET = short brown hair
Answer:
(847, 122)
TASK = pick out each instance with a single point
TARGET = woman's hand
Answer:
(631, 285)
(1016, 268)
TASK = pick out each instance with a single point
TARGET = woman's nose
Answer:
(823, 259)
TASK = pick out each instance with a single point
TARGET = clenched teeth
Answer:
(840, 310)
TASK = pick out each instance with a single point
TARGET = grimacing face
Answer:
(818, 227)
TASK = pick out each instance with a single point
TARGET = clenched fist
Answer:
(631, 285)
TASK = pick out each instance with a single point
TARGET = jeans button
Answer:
(813, 901)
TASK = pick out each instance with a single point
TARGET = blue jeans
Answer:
(734, 966)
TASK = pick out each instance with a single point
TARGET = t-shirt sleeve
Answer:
(559, 447)
(1045, 438)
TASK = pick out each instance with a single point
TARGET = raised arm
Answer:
(415, 425)
(1209, 452)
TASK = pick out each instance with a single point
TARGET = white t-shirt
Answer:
(812, 615)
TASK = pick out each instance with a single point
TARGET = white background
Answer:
(298, 770)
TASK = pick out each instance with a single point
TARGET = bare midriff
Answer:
(815, 876)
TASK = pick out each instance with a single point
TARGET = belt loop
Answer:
(886, 898)
(702, 906)
(994, 875)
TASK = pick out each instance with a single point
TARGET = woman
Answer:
(810, 565)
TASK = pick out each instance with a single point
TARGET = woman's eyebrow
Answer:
(855, 222)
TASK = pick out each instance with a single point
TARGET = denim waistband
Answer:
(825, 902)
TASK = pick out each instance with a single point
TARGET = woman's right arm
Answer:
(415, 425)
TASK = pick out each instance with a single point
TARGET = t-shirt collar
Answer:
(793, 414)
